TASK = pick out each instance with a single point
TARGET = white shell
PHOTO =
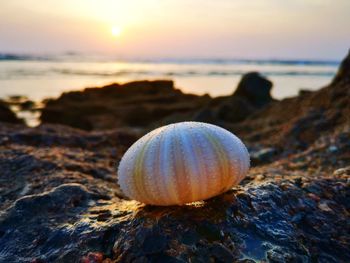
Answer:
(182, 163)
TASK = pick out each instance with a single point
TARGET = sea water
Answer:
(40, 77)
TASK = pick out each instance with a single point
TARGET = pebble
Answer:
(342, 171)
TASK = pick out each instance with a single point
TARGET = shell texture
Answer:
(181, 163)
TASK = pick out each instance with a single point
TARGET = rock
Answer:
(255, 89)
(60, 203)
(221, 253)
(296, 123)
(251, 94)
(205, 115)
(28, 105)
(148, 104)
(47, 226)
(234, 109)
(262, 156)
(343, 74)
(342, 171)
(6, 115)
(304, 92)
(134, 104)
(92, 257)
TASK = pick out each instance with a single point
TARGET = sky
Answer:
(314, 29)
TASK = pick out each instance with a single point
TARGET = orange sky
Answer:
(178, 28)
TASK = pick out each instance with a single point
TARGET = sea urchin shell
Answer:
(182, 163)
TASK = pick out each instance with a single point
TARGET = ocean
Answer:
(40, 77)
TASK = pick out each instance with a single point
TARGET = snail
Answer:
(181, 163)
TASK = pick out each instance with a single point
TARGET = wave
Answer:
(155, 73)
(76, 57)
(286, 62)
(20, 57)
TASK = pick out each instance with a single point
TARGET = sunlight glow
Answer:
(116, 31)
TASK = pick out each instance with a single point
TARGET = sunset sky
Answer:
(316, 29)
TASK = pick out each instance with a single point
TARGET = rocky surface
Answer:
(60, 202)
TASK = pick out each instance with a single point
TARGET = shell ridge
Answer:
(150, 173)
(220, 160)
(158, 170)
(242, 158)
(165, 170)
(182, 181)
(125, 177)
(200, 169)
(203, 164)
(241, 154)
(208, 162)
(225, 155)
(141, 187)
(190, 164)
(171, 180)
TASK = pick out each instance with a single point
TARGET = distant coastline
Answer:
(72, 56)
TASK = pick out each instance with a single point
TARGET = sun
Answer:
(116, 31)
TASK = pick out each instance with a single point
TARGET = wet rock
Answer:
(92, 257)
(153, 243)
(48, 226)
(221, 253)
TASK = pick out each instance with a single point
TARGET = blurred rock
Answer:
(342, 171)
(234, 109)
(343, 74)
(148, 104)
(134, 104)
(265, 155)
(296, 123)
(6, 115)
(255, 89)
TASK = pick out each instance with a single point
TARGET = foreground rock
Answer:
(60, 203)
